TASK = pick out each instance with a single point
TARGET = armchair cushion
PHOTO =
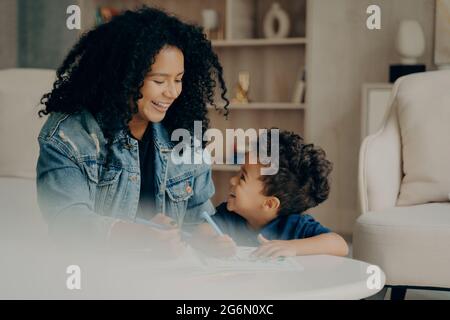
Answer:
(410, 244)
(424, 116)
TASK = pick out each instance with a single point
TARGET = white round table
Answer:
(322, 277)
(37, 273)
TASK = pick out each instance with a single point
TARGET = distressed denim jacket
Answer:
(78, 191)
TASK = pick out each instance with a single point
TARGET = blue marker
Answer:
(208, 218)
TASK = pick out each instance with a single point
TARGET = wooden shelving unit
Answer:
(259, 42)
(265, 106)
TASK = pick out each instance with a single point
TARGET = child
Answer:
(269, 209)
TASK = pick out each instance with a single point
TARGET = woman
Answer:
(105, 159)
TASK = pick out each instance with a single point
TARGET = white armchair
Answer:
(409, 242)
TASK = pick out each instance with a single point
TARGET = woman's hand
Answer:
(168, 241)
(164, 220)
(165, 242)
(274, 248)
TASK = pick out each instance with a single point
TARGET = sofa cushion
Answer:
(20, 92)
(19, 209)
(424, 116)
(410, 244)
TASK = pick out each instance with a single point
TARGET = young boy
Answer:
(268, 210)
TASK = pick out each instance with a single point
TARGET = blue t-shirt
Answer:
(288, 227)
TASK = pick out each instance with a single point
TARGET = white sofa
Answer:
(20, 93)
(411, 243)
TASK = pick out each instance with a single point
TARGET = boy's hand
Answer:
(221, 246)
(274, 248)
(205, 240)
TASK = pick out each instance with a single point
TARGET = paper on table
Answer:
(242, 261)
(193, 262)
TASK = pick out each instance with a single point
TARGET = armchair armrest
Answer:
(380, 165)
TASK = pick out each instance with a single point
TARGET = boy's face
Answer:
(246, 196)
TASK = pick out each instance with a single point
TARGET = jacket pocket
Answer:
(180, 188)
(91, 170)
(108, 180)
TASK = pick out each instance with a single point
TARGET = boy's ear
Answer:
(272, 203)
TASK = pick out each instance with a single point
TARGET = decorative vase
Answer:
(410, 42)
(276, 22)
(210, 21)
(242, 88)
(411, 46)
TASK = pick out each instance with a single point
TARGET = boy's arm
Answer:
(327, 243)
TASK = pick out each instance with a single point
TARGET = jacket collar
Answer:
(160, 136)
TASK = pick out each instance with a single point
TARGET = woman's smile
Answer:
(160, 106)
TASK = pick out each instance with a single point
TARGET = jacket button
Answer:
(133, 178)
(188, 189)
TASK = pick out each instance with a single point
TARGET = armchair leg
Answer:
(398, 293)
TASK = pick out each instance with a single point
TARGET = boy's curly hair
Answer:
(104, 72)
(302, 180)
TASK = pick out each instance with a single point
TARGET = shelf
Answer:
(265, 106)
(258, 42)
(226, 167)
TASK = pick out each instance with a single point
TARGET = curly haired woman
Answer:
(104, 168)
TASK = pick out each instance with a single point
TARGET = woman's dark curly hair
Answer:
(104, 72)
(302, 180)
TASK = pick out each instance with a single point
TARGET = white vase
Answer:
(410, 41)
(276, 15)
(210, 19)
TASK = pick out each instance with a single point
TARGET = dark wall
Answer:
(8, 34)
(44, 39)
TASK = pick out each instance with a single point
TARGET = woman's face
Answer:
(162, 85)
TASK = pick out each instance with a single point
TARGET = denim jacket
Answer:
(78, 191)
